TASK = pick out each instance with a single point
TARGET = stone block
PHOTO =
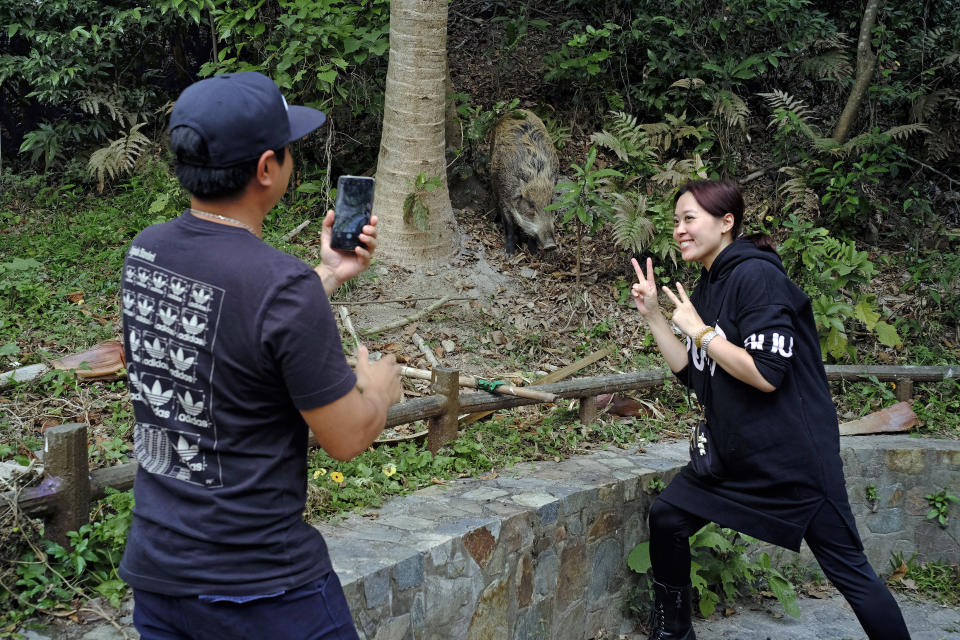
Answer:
(606, 566)
(569, 624)
(395, 629)
(490, 619)
(516, 532)
(603, 525)
(909, 461)
(886, 521)
(449, 604)
(915, 502)
(572, 576)
(524, 580)
(948, 458)
(376, 587)
(546, 573)
(409, 573)
(575, 502)
(535, 622)
(483, 494)
(481, 544)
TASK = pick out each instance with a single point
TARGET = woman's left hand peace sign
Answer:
(684, 316)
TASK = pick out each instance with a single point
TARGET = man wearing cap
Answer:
(232, 352)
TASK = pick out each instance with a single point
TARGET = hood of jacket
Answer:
(708, 296)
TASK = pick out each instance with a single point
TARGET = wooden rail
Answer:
(63, 497)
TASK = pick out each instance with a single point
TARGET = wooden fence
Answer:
(64, 495)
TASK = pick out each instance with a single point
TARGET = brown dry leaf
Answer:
(899, 573)
(436, 480)
(75, 297)
(489, 476)
(729, 611)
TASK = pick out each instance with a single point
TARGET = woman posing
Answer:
(753, 358)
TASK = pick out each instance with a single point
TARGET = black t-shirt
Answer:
(227, 339)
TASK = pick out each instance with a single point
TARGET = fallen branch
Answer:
(554, 376)
(293, 233)
(348, 325)
(403, 321)
(425, 350)
(397, 300)
(476, 383)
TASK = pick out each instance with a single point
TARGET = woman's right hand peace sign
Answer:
(644, 292)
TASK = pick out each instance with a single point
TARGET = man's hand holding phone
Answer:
(337, 266)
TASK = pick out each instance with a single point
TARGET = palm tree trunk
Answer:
(413, 136)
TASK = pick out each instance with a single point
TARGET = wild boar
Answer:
(523, 167)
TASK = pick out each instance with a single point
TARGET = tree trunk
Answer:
(413, 136)
(866, 63)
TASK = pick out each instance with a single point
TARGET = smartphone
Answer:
(353, 208)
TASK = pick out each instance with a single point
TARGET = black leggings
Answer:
(831, 542)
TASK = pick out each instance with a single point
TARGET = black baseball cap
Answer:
(241, 115)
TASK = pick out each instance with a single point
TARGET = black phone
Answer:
(353, 208)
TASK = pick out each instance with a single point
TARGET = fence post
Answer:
(904, 389)
(65, 461)
(588, 410)
(443, 428)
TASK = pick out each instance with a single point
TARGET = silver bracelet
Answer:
(705, 341)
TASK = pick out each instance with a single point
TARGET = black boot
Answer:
(671, 613)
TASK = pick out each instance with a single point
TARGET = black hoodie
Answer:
(781, 449)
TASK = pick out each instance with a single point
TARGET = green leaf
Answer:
(864, 312)
(887, 334)
(836, 343)
(328, 76)
(639, 558)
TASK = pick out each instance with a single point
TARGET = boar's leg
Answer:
(510, 234)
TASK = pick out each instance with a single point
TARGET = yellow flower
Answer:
(769, 218)
(336, 476)
(893, 384)
(389, 469)
(319, 472)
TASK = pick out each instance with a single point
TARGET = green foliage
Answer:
(655, 486)
(67, 58)
(720, 567)
(934, 580)
(50, 578)
(320, 52)
(830, 270)
(415, 210)
(940, 506)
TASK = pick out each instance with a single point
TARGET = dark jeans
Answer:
(316, 611)
(832, 543)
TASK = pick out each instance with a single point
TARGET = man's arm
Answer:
(347, 426)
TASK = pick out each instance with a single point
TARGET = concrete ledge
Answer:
(540, 551)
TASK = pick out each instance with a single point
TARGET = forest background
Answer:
(841, 122)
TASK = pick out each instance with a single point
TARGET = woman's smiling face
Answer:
(701, 236)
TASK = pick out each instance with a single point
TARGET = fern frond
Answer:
(926, 104)
(798, 197)
(731, 108)
(688, 83)
(119, 156)
(835, 65)
(904, 131)
(943, 143)
(676, 172)
(632, 227)
(91, 103)
(623, 136)
(778, 99)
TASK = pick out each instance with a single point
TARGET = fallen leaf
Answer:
(898, 573)
(436, 480)
(488, 476)
(75, 297)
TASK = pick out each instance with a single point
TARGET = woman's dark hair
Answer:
(203, 182)
(720, 197)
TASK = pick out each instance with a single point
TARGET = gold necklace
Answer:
(217, 216)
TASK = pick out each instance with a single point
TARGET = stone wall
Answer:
(539, 551)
